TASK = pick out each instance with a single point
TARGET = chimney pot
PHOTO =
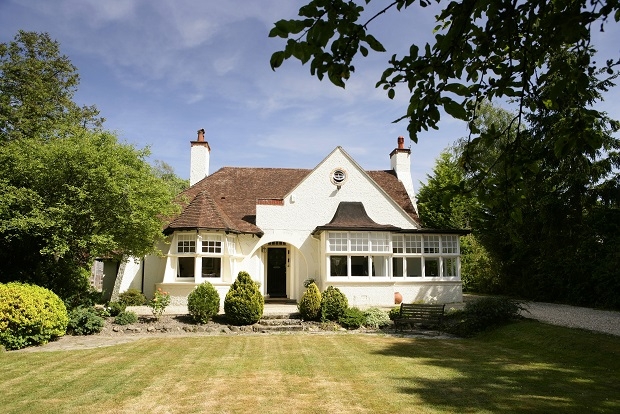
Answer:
(201, 135)
(401, 143)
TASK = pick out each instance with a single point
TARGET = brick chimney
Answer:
(400, 162)
(199, 158)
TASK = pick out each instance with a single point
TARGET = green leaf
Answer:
(455, 110)
(374, 43)
(276, 60)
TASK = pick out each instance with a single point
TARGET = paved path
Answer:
(575, 317)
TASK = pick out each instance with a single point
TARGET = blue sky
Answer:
(160, 70)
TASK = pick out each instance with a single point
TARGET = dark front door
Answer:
(276, 272)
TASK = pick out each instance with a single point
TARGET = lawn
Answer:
(525, 367)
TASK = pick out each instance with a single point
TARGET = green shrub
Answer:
(244, 304)
(115, 308)
(483, 314)
(310, 304)
(132, 297)
(376, 318)
(352, 318)
(126, 318)
(85, 321)
(333, 304)
(203, 302)
(30, 315)
(394, 313)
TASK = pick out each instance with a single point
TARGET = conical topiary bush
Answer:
(244, 304)
(310, 304)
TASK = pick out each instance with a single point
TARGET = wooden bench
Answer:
(420, 313)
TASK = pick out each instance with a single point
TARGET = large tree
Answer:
(69, 190)
(37, 84)
(482, 50)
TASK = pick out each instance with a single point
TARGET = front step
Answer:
(279, 323)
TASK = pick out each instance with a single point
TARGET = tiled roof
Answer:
(235, 191)
(226, 200)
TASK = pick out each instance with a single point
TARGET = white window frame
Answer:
(430, 256)
(201, 246)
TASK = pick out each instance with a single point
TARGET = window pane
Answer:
(413, 244)
(431, 267)
(414, 266)
(211, 266)
(359, 265)
(185, 267)
(186, 243)
(380, 242)
(211, 245)
(337, 242)
(397, 244)
(431, 244)
(449, 244)
(359, 242)
(397, 267)
(450, 266)
(379, 266)
(338, 265)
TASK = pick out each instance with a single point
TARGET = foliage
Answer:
(203, 302)
(244, 304)
(30, 315)
(166, 174)
(333, 304)
(159, 303)
(482, 314)
(84, 321)
(491, 49)
(352, 318)
(310, 303)
(132, 297)
(376, 318)
(69, 191)
(394, 313)
(308, 282)
(126, 318)
(115, 308)
(37, 85)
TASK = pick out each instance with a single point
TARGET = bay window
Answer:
(359, 254)
(199, 254)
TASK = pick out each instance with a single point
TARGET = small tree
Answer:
(310, 304)
(203, 303)
(244, 304)
(333, 304)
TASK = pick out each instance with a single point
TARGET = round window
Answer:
(339, 176)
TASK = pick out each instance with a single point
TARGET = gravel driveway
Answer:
(574, 317)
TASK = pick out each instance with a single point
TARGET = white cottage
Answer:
(337, 224)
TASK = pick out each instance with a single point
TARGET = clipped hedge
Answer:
(483, 314)
(310, 303)
(244, 304)
(333, 304)
(203, 303)
(30, 315)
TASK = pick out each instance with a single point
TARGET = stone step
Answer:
(272, 316)
(279, 322)
(278, 328)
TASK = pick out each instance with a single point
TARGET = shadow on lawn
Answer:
(522, 367)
